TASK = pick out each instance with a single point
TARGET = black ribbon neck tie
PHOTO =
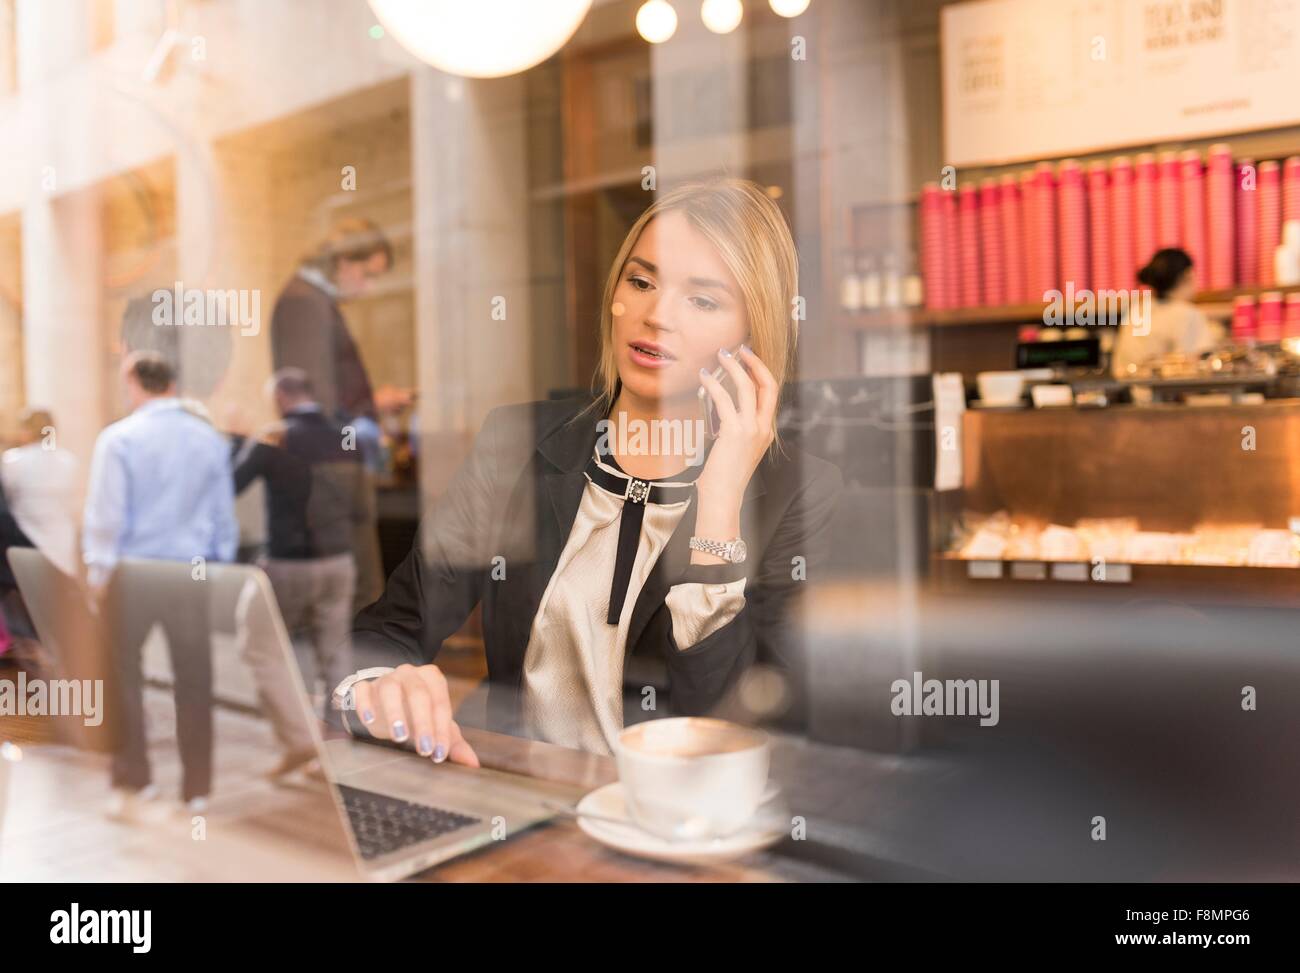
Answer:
(636, 493)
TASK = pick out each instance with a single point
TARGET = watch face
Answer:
(739, 552)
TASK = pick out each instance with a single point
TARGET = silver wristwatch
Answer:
(734, 551)
(342, 698)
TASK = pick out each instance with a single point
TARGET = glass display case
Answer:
(1161, 499)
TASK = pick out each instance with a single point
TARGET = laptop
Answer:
(401, 812)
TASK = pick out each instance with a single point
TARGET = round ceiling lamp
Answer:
(656, 21)
(788, 8)
(482, 39)
(722, 16)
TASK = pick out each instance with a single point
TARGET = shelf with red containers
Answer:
(990, 249)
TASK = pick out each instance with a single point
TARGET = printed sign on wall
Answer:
(1027, 79)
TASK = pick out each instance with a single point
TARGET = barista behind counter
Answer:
(1177, 325)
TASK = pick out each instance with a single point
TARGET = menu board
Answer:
(1030, 79)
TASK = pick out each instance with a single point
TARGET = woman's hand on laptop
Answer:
(412, 703)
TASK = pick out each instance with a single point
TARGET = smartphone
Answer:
(712, 424)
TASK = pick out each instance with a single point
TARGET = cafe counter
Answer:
(1158, 497)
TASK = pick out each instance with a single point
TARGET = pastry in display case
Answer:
(1002, 537)
(1176, 499)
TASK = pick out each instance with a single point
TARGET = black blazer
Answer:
(496, 535)
(308, 332)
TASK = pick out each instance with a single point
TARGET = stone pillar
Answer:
(62, 247)
(225, 236)
(470, 195)
(8, 50)
(471, 259)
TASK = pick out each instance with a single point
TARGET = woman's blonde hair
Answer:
(752, 237)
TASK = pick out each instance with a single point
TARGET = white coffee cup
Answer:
(1000, 388)
(692, 777)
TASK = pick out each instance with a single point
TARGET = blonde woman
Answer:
(615, 541)
(39, 479)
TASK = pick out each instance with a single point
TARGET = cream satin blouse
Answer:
(573, 666)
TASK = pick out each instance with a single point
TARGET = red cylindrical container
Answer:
(1247, 223)
(1047, 271)
(993, 253)
(1220, 228)
(1146, 188)
(1193, 174)
(1291, 317)
(1123, 213)
(1029, 234)
(1291, 189)
(1171, 201)
(968, 205)
(1013, 240)
(1270, 316)
(1270, 218)
(932, 246)
(1073, 200)
(1244, 325)
(951, 247)
(1100, 234)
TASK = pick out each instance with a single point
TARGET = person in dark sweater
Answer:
(316, 496)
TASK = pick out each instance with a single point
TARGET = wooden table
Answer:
(256, 831)
(554, 851)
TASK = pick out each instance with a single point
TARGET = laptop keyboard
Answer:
(385, 824)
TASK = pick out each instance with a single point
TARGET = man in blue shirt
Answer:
(160, 488)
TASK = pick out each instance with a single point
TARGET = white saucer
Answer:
(607, 802)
